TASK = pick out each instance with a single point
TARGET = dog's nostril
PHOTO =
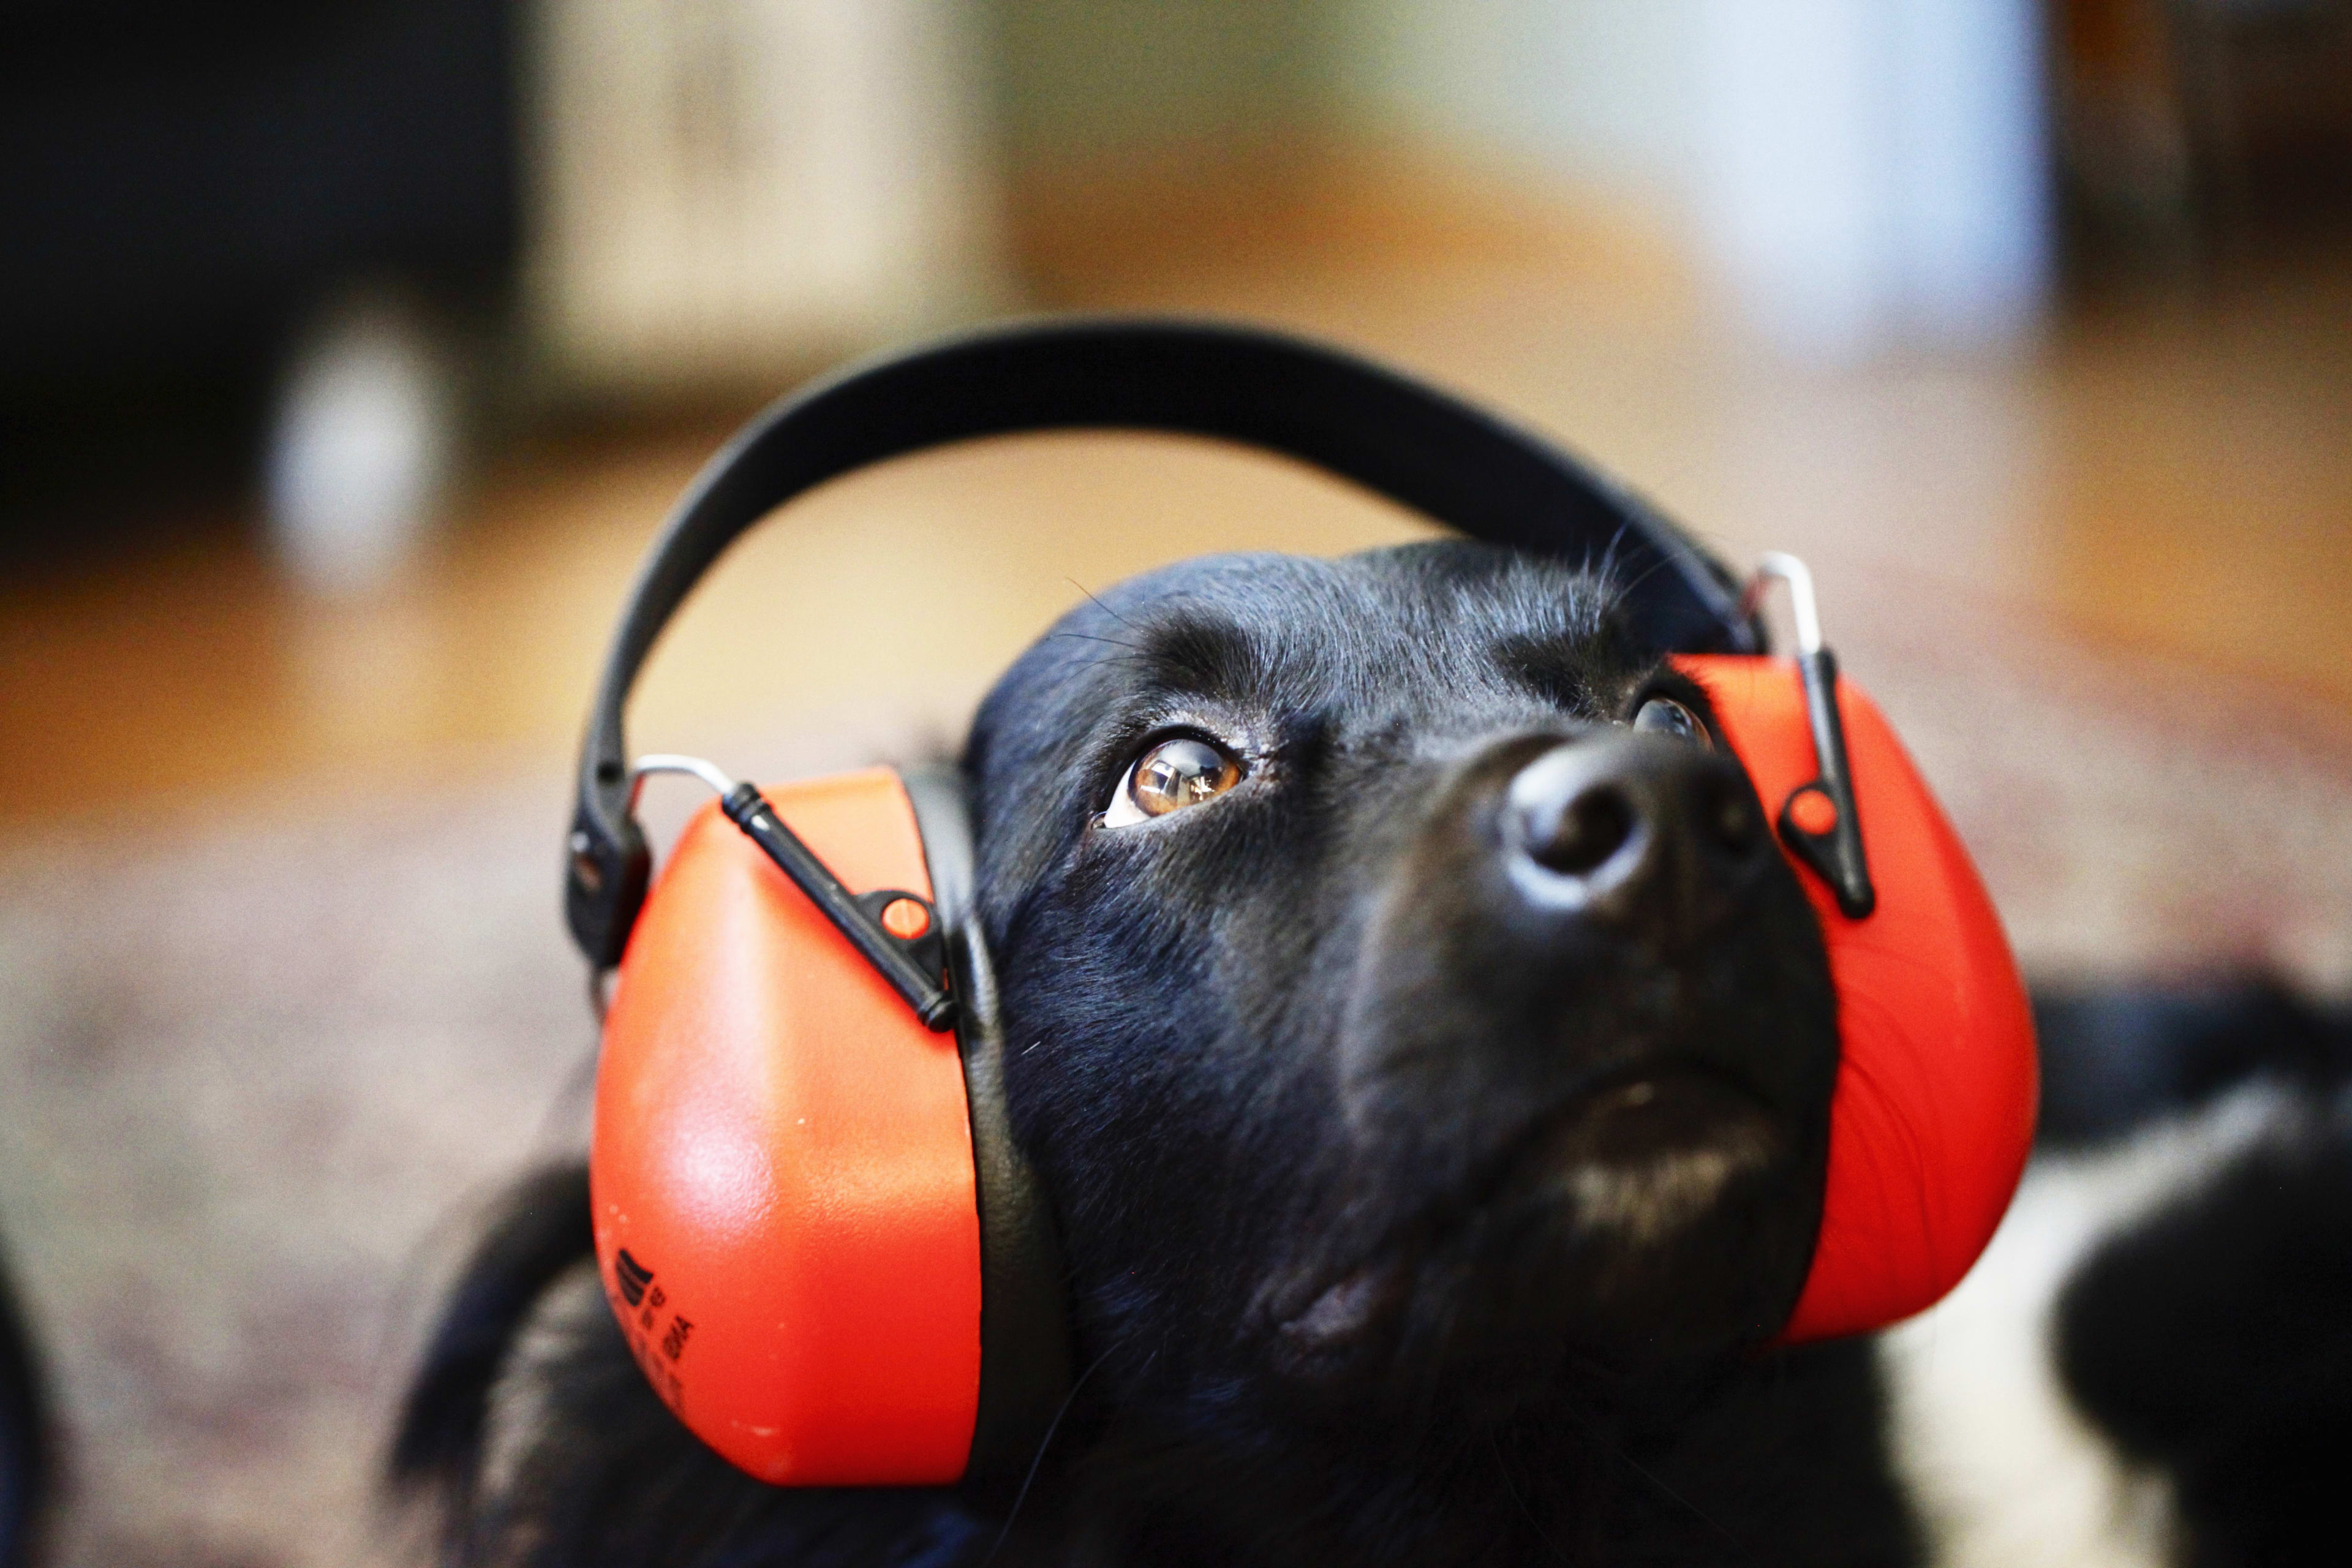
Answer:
(1589, 829)
(1731, 819)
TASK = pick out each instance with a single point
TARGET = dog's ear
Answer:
(541, 1230)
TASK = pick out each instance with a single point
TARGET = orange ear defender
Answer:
(788, 1163)
(1932, 1116)
(813, 1225)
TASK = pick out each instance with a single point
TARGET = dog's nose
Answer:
(1639, 832)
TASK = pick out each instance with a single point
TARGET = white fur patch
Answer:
(2004, 1471)
(1647, 1201)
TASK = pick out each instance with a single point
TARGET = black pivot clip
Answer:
(1831, 848)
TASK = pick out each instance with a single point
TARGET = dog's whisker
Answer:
(1090, 637)
(1044, 1445)
(1673, 1496)
(1602, 573)
(1503, 1468)
(1620, 590)
(1097, 600)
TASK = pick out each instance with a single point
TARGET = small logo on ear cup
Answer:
(632, 1276)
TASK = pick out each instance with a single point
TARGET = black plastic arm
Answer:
(894, 956)
(1837, 856)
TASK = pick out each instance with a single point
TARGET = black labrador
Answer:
(1427, 1053)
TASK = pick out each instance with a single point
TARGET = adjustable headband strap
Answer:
(1417, 447)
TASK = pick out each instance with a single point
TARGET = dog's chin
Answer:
(1643, 1208)
(1634, 1170)
(1662, 1220)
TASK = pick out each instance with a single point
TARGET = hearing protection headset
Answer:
(823, 1245)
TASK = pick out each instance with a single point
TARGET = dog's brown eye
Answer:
(1168, 777)
(1664, 716)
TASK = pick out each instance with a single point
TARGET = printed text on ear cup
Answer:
(642, 1306)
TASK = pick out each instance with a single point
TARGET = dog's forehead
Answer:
(1442, 620)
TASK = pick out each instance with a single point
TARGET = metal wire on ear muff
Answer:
(895, 931)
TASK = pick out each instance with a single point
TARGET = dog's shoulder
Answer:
(529, 1438)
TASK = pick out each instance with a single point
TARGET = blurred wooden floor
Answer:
(2169, 477)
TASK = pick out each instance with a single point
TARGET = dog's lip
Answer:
(1637, 1086)
(1639, 1091)
(1647, 1157)
(1349, 1297)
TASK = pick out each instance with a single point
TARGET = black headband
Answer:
(1417, 447)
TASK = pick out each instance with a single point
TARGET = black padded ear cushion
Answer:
(1025, 1334)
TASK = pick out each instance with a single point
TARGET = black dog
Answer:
(1427, 1053)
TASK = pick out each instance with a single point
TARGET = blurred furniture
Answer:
(2195, 129)
(731, 193)
(1873, 176)
(179, 186)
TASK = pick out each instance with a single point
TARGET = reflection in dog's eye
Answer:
(1664, 716)
(1168, 777)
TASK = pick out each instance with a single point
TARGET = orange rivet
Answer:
(904, 919)
(1813, 812)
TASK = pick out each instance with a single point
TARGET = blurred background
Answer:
(351, 352)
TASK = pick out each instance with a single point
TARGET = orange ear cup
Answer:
(781, 1166)
(1933, 1113)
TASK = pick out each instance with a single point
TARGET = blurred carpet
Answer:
(258, 1081)
(260, 1075)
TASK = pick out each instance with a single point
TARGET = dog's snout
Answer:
(1578, 835)
(1644, 833)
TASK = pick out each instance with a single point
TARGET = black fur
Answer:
(2211, 1340)
(1309, 1087)
(542, 1230)
(2114, 1061)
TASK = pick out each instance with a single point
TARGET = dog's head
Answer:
(1402, 990)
